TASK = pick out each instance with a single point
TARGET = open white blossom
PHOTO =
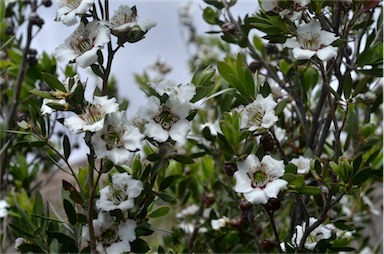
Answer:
(161, 121)
(111, 237)
(3, 208)
(319, 233)
(259, 114)
(189, 227)
(312, 40)
(82, 45)
(120, 193)
(303, 164)
(182, 92)
(188, 211)
(93, 116)
(45, 109)
(117, 139)
(125, 19)
(293, 13)
(259, 180)
(68, 9)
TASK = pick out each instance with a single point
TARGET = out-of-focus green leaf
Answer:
(52, 81)
(361, 176)
(139, 246)
(70, 211)
(162, 211)
(166, 182)
(67, 147)
(183, 159)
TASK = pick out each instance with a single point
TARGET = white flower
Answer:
(117, 139)
(112, 237)
(125, 19)
(312, 40)
(92, 118)
(120, 193)
(82, 46)
(189, 228)
(219, 223)
(167, 120)
(214, 128)
(3, 208)
(259, 114)
(45, 109)
(303, 164)
(188, 211)
(259, 181)
(181, 92)
(19, 241)
(68, 9)
(274, 5)
(319, 233)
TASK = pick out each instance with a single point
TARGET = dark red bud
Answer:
(254, 66)
(237, 222)
(209, 199)
(272, 205)
(267, 142)
(245, 205)
(230, 168)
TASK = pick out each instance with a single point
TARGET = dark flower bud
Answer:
(209, 199)
(245, 205)
(267, 245)
(267, 142)
(47, 3)
(237, 222)
(32, 52)
(254, 66)
(230, 168)
(271, 49)
(36, 20)
(9, 30)
(31, 59)
(348, 50)
(26, 2)
(272, 205)
(228, 28)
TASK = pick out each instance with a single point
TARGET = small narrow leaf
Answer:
(162, 211)
(70, 211)
(67, 147)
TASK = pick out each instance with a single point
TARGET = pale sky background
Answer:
(164, 42)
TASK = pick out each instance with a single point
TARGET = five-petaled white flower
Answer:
(303, 164)
(125, 19)
(82, 46)
(319, 233)
(93, 116)
(68, 9)
(120, 193)
(165, 120)
(312, 40)
(111, 237)
(219, 223)
(182, 92)
(259, 180)
(116, 139)
(259, 114)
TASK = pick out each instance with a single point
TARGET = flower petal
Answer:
(327, 53)
(291, 43)
(256, 196)
(302, 54)
(327, 38)
(179, 131)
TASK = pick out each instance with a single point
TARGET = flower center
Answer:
(309, 41)
(82, 43)
(166, 118)
(255, 115)
(73, 4)
(93, 114)
(314, 238)
(117, 193)
(113, 137)
(109, 235)
(260, 177)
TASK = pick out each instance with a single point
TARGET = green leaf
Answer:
(67, 147)
(291, 168)
(361, 176)
(70, 211)
(309, 190)
(38, 208)
(2, 10)
(30, 247)
(280, 107)
(166, 197)
(166, 182)
(210, 16)
(139, 246)
(154, 157)
(62, 238)
(52, 81)
(162, 211)
(183, 159)
(42, 94)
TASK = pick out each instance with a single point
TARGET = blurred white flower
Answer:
(259, 114)
(189, 228)
(165, 120)
(82, 45)
(188, 211)
(117, 139)
(3, 208)
(303, 164)
(68, 9)
(112, 237)
(312, 40)
(19, 241)
(219, 223)
(319, 233)
(93, 116)
(182, 92)
(120, 193)
(259, 181)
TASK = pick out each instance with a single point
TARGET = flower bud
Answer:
(272, 205)
(271, 49)
(237, 223)
(36, 20)
(230, 168)
(245, 205)
(254, 66)
(267, 245)
(267, 142)
(209, 199)
(228, 28)
(47, 3)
